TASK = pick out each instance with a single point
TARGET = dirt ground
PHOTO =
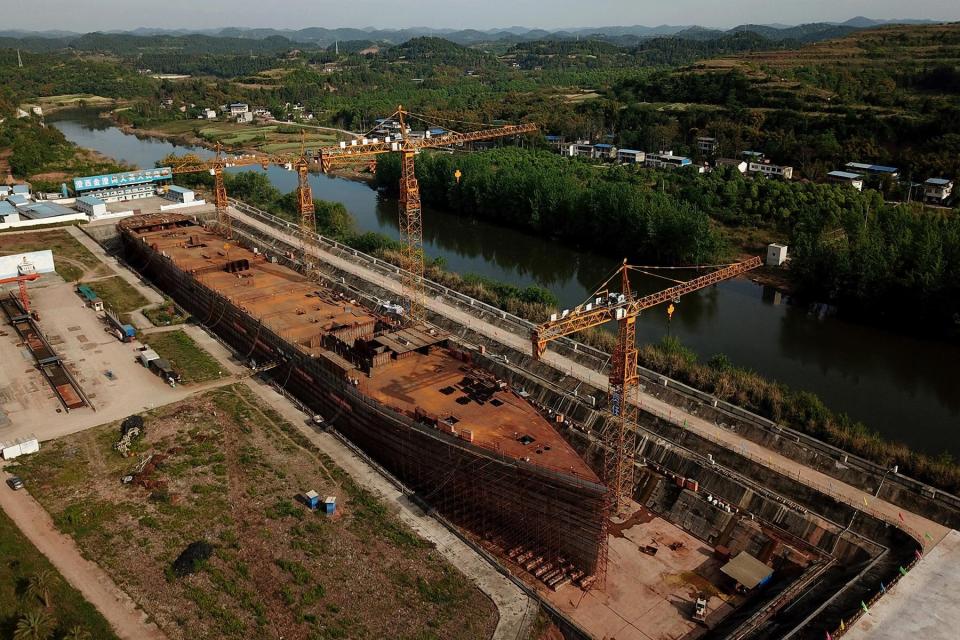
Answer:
(649, 597)
(226, 470)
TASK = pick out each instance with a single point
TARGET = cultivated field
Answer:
(267, 138)
(225, 472)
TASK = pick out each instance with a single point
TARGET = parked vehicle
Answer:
(15, 483)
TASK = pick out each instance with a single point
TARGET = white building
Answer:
(237, 108)
(209, 114)
(855, 180)
(92, 206)
(8, 213)
(631, 156)
(770, 170)
(666, 160)
(244, 117)
(776, 254)
(937, 189)
(604, 151)
(706, 146)
(179, 194)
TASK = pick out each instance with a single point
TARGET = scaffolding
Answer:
(547, 520)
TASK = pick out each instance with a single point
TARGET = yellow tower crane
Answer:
(411, 220)
(607, 305)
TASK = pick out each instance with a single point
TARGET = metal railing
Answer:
(524, 328)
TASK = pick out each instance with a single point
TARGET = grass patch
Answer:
(166, 313)
(19, 563)
(118, 294)
(70, 258)
(187, 357)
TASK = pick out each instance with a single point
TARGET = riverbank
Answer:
(901, 386)
(190, 139)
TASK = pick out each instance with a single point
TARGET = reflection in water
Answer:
(903, 387)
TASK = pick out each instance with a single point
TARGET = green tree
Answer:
(34, 625)
(41, 585)
(78, 633)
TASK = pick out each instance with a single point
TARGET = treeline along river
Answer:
(906, 388)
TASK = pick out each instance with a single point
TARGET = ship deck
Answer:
(294, 308)
(301, 311)
(504, 423)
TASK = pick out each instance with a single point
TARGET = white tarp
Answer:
(21, 447)
(19, 264)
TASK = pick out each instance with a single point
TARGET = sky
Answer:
(92, 15)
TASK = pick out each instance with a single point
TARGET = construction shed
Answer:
(747, 571)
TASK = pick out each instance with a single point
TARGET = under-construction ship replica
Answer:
(474, 449)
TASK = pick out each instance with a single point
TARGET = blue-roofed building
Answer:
(19, 200)
(937, 190)
(21, 189)
(44, 211)
(5, 191)
(8, 213)
(179, 194)
(553, 139)
(855, 180)
(604, 151)
(437, 131)
(92, 206)
(666, 160)
(877, 170)
(129, 185)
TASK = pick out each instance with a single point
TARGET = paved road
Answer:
(929, 533)
(130, 276)
(128, 621)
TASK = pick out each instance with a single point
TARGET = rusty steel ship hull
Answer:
(409, 398)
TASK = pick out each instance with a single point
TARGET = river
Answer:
(905, 388)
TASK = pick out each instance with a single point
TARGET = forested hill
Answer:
(321, 37)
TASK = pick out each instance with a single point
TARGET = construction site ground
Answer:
(230, 471)
(649, 597)
(29, 406)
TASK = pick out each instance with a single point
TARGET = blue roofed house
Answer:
(92, 206)
(21, 189)
(873, 170)
(937, 190)
(604, 151)
(8, 213)
(855, 180)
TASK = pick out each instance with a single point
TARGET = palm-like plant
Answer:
(40, 585)
(34, 625)
(78, 633)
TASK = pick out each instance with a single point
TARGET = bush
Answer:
(192, 558)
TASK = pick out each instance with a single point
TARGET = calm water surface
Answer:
(906, 388)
